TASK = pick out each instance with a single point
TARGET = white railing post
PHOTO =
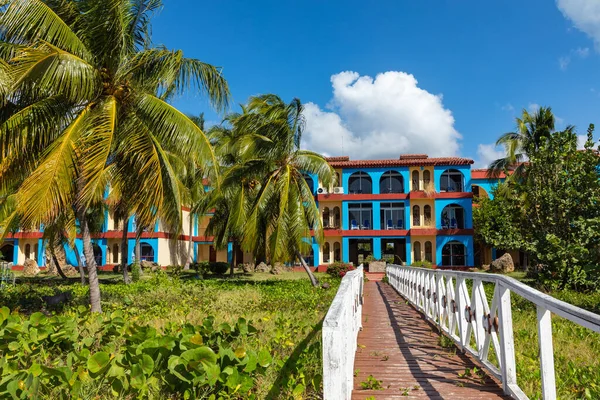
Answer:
(340, 330)
(507, 344)
(544, 325)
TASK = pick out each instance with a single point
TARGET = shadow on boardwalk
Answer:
(398, 347)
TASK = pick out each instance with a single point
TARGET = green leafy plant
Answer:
(423, 264)
(339, 269)
(371, 383)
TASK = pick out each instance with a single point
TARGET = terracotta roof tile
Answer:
(410, 162)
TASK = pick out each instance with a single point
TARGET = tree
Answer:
(532, 131)
(90, 97)
(282, 216)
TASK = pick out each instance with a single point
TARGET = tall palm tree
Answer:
(532, 131)
(281, 216)
(89, 89)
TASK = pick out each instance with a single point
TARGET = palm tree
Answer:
(90, 95)
(532, 131)
(280, 218)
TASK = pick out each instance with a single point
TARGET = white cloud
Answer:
(486, 153)
(563, 62)
(581, 52)
(533, 107)
(585, 15)
(380, 118)
(508, 107)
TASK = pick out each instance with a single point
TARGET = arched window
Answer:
(417, 251)
(337, 217)
(427, 215)
(452, 180)
(391, 182)
(36, 251)
(415, 181)
(360, 183)
(97, 254)
(326, 221)
(479, 192)
(426, 179)
(27, 251)
(326, 249)
(115, 253)
(115, 223)
(337, 252)
(309, 182)
(147, 252)
(416, 216)
(453, 217)
(453, 254)
(428, 252)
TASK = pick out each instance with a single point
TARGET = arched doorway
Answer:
(115, 254)
(453, 217)
(416, 215)
(147, 252)
(97, 254)
(391, 182)
(416, 181)
(417, 251)
(337, 217)
(428, 251)
(337, 252)
(326, 256)
(452, 180)
(453, 254)
(310, 182)
(326, 220)
(8, 252)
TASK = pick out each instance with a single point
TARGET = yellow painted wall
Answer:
(32, 253)
(331, 206)
(331, 241)
(422, 184)
(422, 240)
(422, 203)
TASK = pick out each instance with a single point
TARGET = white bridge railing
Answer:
(443, 296)
(340, 329)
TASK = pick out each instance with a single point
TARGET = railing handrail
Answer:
(332, 318)
(340, 331)
(464, 314)
(559, 307)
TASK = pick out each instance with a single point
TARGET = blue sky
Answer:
(455, 73)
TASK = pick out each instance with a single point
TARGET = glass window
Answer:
(326, 222)
(326, 249)
(337, 219)
(416, 216)
(392, 215)
(427, 215)
(337, 251)
(453, 254)
(428, 252)
(360, 216)
(27, 251)
(453, 217)
(426, 178)
(147, 252)
(415, 180)
(451, 181)
(360, 183)
(417, 251)
(391, 182)
(115, 254)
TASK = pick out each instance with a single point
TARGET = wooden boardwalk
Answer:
(398, 347)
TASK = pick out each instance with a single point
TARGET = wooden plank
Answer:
(399, 347)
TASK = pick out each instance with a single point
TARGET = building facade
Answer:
(411, 209)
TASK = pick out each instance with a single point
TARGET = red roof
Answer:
(483, 174)
(405, 160)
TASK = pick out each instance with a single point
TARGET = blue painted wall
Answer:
(376, 207)
(464, 169)
(441, 241)
(375, 175)
(466, 204)
(487, 184)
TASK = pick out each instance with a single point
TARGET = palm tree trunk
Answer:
(57, 265)
(88, 253)
(190, 244)
(138, 249)
(124, 252)
(79, 264)
(313, 278)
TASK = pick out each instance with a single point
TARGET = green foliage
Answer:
(151, 332)
(218, 268)
(338, 269)
(551, 211)
(136, 271)
(423, 264)
(371, 383)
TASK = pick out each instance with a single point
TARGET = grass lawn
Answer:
(273, 352)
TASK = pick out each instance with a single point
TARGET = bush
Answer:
(218, 268)
(136, 271)
(422, 264)
(338, 269)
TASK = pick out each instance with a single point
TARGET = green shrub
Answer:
(338, 269)
(218, 268)
(423, 264)
(136, 271)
